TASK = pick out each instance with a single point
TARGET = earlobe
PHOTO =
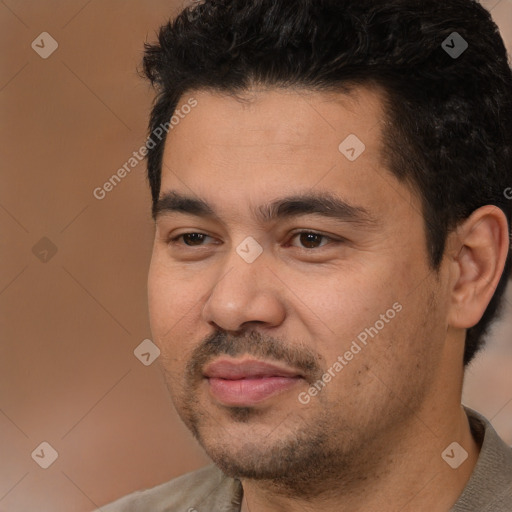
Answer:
(483, 242)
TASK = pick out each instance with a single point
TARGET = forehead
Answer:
(271, 141)
(281, 115)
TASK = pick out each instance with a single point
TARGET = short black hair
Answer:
(448, 133)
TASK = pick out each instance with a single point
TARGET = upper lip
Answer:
(233, 369)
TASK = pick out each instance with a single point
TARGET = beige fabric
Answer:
(208, 490)
(204, 490)
(490, 487)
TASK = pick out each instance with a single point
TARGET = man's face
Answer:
(359, 293)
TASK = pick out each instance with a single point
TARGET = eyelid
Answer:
(175, 238)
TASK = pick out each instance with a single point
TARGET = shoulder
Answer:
(201, 489)
(490, 486)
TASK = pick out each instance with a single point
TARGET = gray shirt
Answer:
(489, 488)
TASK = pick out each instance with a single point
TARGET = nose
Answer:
(245, 293)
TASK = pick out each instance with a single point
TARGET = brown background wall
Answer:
(69, 324)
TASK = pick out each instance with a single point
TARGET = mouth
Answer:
(248, 382)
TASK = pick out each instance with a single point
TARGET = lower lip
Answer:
(245, 392)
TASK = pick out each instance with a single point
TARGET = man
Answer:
(332, 243)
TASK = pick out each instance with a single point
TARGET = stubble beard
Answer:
(316, 457)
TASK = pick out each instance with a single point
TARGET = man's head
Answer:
(373, 129)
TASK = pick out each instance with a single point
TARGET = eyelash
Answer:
(173, 240)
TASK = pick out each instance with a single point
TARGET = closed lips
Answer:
(249, 369)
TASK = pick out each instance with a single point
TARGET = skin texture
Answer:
(372, 438)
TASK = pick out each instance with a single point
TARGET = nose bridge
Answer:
(244, 262)
(243, 293)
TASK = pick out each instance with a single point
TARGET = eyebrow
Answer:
(325, 204)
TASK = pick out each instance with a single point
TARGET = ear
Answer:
(479, 249)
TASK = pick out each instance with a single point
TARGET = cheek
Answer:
(169, 295)
(350, 301)
(372, 309)
(174, 305)
(158, 298)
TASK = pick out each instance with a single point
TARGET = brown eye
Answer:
(193, 238)
(310, 239)
(189, 239)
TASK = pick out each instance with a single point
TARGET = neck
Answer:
(410, 475)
